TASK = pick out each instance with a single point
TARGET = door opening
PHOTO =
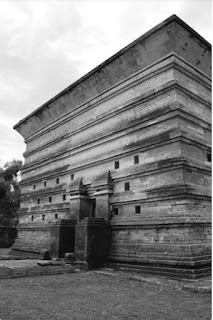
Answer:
(93, 208)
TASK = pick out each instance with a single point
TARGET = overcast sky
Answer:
(47, 45)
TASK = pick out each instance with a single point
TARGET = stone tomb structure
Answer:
(117, 166)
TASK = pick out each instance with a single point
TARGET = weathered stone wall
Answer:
(147, 111)
(35, 236)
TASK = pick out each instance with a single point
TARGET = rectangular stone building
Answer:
(117, 166)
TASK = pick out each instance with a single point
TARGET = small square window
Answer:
(137, 209)
(209, 157)
(72, 176)
(64, 197)
(34, 186)
(56, 216)
(50, 199)
(38, 201)
(57, 181)
(115, 211)
(126, 186)
(116, 164)
(43, 217)
(45, 183)
(136, 159)
(32, 218)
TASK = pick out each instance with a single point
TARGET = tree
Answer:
(11, 169)
(9, 193)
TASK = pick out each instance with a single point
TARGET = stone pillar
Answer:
(102, 203)
(79, 201)
(103, 189)
(62, 238)
(91, 236)
(79, 207)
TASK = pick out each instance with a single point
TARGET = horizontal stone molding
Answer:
(160, 166)
(103, 192)
(77, 196)
(110, 114)
(35, 227)
(162, 222)
(39, 210)
(167, 112)
(57, 172)
(113, 91)
(44, 192)
(174, 61)
(181, 135)
(124, 107)
(176, 196)
(156, 262)
(149, 167)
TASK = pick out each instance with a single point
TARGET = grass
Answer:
(86, 296)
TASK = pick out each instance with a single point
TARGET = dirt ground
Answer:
(86, 296)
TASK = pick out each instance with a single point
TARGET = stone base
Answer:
(23, 254)
(157, 269)
(44, 241)
(180, 250)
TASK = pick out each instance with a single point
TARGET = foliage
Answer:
(9, 193)
(11, 169)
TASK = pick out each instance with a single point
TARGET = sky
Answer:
(47, 45)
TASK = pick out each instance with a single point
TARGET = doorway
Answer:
(93, 208)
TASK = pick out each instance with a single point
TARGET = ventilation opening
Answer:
(34, 186)
(126, 186)
(32, 218)
(115, 211)
(137, 209)
(116, 164)
(209, 157)
(43, 217)
(136, 159)
(56, 216)
(64, 197)
(38, 201)
(57, 181)
(72, 176)
(45, 184)
(50, 199)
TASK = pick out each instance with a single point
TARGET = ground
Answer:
(91, 296)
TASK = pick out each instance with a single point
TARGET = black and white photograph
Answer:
(105, 159)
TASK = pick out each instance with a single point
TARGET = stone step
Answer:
(22, 254)
(158, 255)
(159, 259)
(176, 273)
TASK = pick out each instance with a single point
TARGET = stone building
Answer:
(117, 166)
